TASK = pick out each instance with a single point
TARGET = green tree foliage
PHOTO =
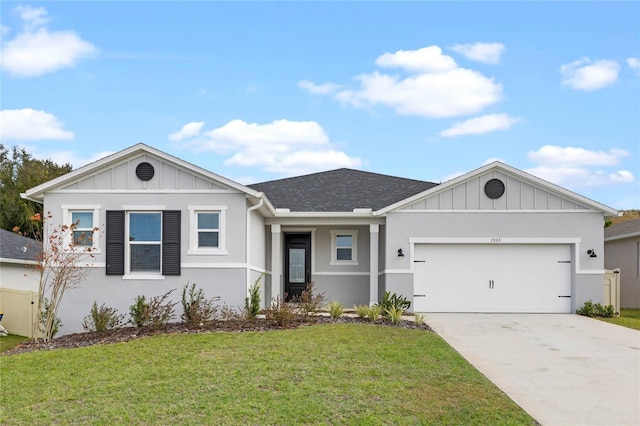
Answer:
(19, 171)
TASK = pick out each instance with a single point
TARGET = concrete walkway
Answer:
(562, 369)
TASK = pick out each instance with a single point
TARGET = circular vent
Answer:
(144, 171)
(494, 188)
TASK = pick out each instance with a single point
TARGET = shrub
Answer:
(280, 312)
(361, 310)
(394, 314)
(227, 313)
(393, 301)
(419, 319)
(155, 313)
(310, 302)
(590, 309)
(54, 324)
(196, 309)
(374, 312)
(252, 302)
(335, 309)
(102, 319)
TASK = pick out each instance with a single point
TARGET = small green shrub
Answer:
(361, 310)
(228, 313)
(55, 324)
(394, 314)
(393, 301)
(102, 319)
(309, 302)
(419, 319)
(252, 302)
(335, 309)
(157, 312)
(590, 309)
(374, 312)
(281, 312)
(196, 309)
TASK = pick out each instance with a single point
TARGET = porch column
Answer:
(276, 262)
(374, 232)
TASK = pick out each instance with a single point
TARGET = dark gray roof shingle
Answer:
(340, 190)
(17, 247)
(631, 226)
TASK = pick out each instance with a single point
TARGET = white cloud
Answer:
(76, 160)
(488, 53)
(436, 86)
(480, 125)
(585, 75)
(634, 64)
(28, 124)
(188, 130)
(282, 146)
(37, 51)
(319, 89)
(578, 167)
(426, 59)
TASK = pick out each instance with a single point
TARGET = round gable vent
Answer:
(494, 188)
(144, 171)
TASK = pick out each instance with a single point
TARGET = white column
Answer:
(374, 232)
(276, 262)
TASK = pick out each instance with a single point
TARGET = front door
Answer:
(297, 264)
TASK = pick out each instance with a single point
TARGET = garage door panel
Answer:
(492, 278)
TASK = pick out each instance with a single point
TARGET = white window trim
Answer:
(67, 210)
(334, 247)
(221, 250)
(144, 275)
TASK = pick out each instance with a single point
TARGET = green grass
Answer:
(629, 318)
(326, 374)
(8, 342)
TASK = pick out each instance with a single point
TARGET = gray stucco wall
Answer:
(623, 254)
(350, 290)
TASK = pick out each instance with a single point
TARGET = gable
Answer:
(122, 175)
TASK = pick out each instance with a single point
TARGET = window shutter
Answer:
(171, 242)
(115, 242)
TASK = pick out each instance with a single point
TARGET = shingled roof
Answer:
(340, 190)
(17, 247)
(628, 227)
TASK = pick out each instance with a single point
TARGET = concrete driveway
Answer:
(562, 369)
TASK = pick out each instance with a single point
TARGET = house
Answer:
(622, 250)
(18, 281)
(493, 240)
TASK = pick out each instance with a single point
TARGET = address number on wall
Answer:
(495, 240)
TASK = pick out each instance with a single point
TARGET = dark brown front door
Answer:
(297, 264)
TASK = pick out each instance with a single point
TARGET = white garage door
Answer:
(492, 278)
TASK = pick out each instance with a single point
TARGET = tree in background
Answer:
(19, 171)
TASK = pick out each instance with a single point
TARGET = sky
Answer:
(256, 91)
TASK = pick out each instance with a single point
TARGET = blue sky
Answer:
(259, 91)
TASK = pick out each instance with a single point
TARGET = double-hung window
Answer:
(82, 219)
(207, 226)
(344, 247)
(145, 242)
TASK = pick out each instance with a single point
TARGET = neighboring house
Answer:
(18, 281)
(493, 240)
(622, 250)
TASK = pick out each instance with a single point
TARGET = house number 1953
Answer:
(495, 240)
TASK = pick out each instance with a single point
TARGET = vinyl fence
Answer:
(19, 308)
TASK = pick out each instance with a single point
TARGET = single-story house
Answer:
(493, 240)
(622, 250)
(18, 281)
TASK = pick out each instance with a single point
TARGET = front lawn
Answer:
(323, 374)
(8, 342)
(628, 318)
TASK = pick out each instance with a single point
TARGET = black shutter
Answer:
(171, 242)
(115, 242)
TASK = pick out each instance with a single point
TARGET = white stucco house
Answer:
(622, 250)
(493, 240)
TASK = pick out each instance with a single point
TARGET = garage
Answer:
(525, 278)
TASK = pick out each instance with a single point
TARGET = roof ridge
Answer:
(338, 170)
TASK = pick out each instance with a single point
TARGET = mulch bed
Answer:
(126, 334)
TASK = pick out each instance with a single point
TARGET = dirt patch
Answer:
(126, 334)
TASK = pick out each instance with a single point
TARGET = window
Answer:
(207, 230)
(85, 218)
(145, 242)
(344, 246)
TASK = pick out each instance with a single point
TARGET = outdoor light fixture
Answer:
(592, 253)
(400, 253)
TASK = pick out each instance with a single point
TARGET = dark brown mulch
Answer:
(126, 334)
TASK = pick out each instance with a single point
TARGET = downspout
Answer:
(248, 243)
